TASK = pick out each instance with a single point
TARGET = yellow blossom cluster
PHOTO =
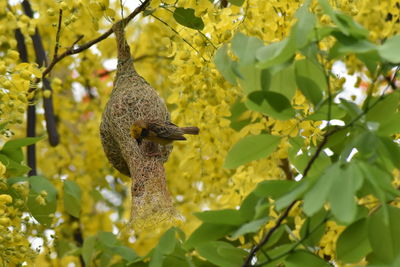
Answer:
(14, 246)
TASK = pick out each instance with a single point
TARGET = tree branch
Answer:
(295, 245)
(268, 235)
(285, 166)
(31, 113)
(87, 45)
(58, 34)
(41, 59)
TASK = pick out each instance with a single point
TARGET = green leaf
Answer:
(125, 252)
(300, 161)
(179, 257)
(187, 18)
(351, 108)
(391, 125)
(245, 48)
(277, 237)
(42, 188)
(16, 155)
(221, 253)
(276, 53)
(236, 2)
(320, 33)
(350, 45)
(384, 107)
(353, 245)
(227, 216)
(271, 104)
(236, 118)
(72, 198)
(247, 208)
(371, 60)
(12, 156)
(261, 208)
(207, 232)
(64, 247)
(107, 239)
(224, 64)
(274, 188)
(301, 258)
(282, 81)
(167, 242)
(315, 198)
(345, 23)
(17, 143)
(156, 259)
(304, 26)
(388, 149)
(251, 148)
(381, 181)
(250, 78)
(385, 113)
(104, 257)
(293, 195)
(390, 49)
(88, 250)
(250, 227)
(311, 80)
(323, 111)
(13, 168)
(314, 228)
(279, 252)
(384, 237)
(348, 181)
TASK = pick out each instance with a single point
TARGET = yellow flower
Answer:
(4, 198)
(2, 169)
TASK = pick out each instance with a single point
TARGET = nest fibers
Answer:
(132, 99)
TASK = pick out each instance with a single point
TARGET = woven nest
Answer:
(132, 99)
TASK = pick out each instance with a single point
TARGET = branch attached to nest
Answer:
(72, 50)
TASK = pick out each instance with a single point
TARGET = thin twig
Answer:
(265, 239)
(87, 45)
(299, 242)
(183, 39)
(201, 33)
(208, 39)
(58, 34)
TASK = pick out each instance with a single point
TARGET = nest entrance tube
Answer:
(132, 99)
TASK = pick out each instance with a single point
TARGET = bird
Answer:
(160, 132)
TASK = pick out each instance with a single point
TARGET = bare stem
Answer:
(58, 34)
(87, 45)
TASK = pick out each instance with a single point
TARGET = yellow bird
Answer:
(160, 132)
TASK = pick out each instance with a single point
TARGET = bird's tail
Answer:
(190, 130)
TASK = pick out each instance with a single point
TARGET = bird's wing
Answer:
(166, 130)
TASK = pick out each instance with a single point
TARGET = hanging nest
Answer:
(133, 99)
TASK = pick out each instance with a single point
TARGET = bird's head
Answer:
(137, 129)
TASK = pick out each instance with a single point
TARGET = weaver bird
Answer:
(160, 132)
